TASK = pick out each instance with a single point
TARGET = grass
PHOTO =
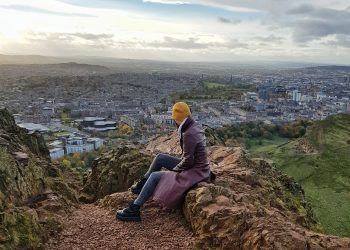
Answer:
(266, 145)
(214, 91)
(324, 175)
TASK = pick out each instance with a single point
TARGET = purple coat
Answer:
(194, 167)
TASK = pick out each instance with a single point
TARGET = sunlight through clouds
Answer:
(210, 30)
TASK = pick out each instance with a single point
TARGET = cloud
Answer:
(310, 11)
(171, 42)
(339, 41)
(63, 39)
(27, 8)
(310, 30)
(165, 1)
(310, 23)
(85, 41)
(302, 9)
(194, 43)
(269, 39)
(230, 21)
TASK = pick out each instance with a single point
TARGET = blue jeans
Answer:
(154, 174)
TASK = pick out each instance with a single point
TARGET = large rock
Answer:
(115, 171)
(251, 205)
(33, 192)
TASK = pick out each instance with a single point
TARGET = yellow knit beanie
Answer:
(180, 111)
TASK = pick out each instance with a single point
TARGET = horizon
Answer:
(179, 31)
(101, 60)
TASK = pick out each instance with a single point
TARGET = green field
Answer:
(214, 91)
(324, 173)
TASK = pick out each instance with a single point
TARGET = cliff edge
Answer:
(34, 193)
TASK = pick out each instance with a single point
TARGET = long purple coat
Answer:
(194, 167)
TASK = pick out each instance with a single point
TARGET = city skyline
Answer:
(171, 30)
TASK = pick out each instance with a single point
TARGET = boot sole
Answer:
(123, 218)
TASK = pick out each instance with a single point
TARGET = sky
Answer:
(179, 30)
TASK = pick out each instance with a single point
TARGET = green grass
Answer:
(213, 91)
(325, 175)
(61, 133)
(213, 85)
(266, 145)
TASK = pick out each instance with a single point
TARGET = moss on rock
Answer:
(115, 171)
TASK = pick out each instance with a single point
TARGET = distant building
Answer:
(97, 142)
(77, 145)
(56, 153)
(250, 96)
(306, 98)
(296, 95)
(33, 127)
(164, 118)
(98, 124)
(320, 96)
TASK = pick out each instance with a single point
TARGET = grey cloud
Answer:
(340, 40)
(63, 39)
(309, 30)
(90, 36)
(302, 9)
(269, 39)
(319, 13)
(171, 42)
(314, 23)
(103, 41)
(193, 43)
(27, 8)
(230, 21)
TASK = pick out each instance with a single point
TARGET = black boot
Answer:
(131, 213)
(137, 187)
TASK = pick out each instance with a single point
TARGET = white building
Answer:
(83, 148)
(164, 118)
(97, 142)
(56, 153)
(296, 95)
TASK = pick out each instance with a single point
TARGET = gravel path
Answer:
(92, 227)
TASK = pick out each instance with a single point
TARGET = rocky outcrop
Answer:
(115, 171)
(251, 205)
(34, 195)
(212, 137)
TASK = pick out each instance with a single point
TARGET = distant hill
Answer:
(70, 68)
(332, 67)
(320, 162)
(30, 59)
(142, 65)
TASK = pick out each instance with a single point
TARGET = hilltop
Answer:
(60, 69)
(251, 205)
(320, 162)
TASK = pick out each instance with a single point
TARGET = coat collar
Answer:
(180, 126)
(186, 124)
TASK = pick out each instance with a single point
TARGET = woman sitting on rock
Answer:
(169, 187)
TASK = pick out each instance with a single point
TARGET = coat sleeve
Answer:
(189, 147)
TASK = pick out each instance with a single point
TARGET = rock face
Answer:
(115, 171)
(250, 206)
(33, 191)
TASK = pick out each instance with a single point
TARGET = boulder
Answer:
(115, 171)
(251, 205)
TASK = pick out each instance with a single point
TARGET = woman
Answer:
(169, 187)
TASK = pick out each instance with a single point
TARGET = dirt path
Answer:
(92, 227)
